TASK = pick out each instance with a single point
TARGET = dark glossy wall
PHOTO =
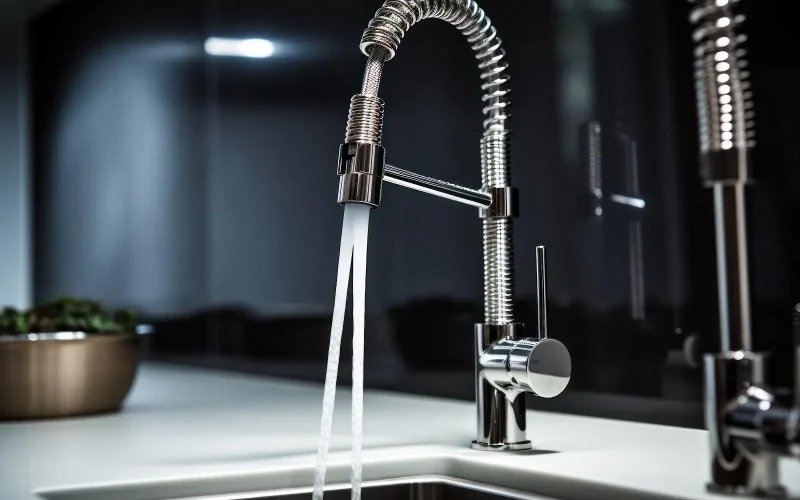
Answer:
(202, 190)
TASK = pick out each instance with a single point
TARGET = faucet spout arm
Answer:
(442, 189)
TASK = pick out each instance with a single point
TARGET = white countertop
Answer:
(181, 424)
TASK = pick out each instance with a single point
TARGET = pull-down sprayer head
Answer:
(362, 159)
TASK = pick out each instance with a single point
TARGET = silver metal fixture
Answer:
(592, 158)
(633, 199)
(540, 365)
(513, 366)
(631, 203)
(749, 430)
(361, 167)
(394, 175)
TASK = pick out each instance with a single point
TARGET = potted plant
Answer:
(67, 314)
(66, 357)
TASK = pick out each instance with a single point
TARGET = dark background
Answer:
(202, 190)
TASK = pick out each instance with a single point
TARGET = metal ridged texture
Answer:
(498, 235)
(724, 101)
(594, 158)
(380, 43)
(396, 17)
(498, 271)
(365, 121)
(373, 72)
(495, 167)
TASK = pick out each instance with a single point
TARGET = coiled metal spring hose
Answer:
(380, 43)
(724, 101)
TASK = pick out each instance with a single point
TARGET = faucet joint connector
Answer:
(505, 203)
(360, 169)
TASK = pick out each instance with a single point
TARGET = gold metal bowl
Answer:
(65, 374)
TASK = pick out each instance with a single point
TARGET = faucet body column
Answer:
(509, 366)
(501, 416)
(736, 466)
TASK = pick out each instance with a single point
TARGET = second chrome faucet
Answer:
(508, 364)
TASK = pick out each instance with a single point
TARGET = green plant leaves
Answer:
(67, 314)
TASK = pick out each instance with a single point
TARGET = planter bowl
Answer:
(65, 374)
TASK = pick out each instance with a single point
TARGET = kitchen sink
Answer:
(422, 473)
(412, 488)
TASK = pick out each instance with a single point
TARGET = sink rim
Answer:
(422, 479)
(382, 464)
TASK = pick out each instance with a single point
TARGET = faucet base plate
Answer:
(773, 492)
(520, 446)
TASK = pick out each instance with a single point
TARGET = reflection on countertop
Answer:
(639, 370)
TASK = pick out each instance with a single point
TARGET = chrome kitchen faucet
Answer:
(748, 428)
(508, 365)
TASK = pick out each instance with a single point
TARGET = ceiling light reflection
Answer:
(256, 48)
(628, 200)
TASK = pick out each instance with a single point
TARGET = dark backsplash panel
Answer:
(202, 190)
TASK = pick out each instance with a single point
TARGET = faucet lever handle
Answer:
(541, 291)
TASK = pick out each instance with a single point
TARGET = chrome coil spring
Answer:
(396, 17)
(495, 165)
(498, 271)
(380, 43)
(365, 121)
(498, 241)
(724, 100)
